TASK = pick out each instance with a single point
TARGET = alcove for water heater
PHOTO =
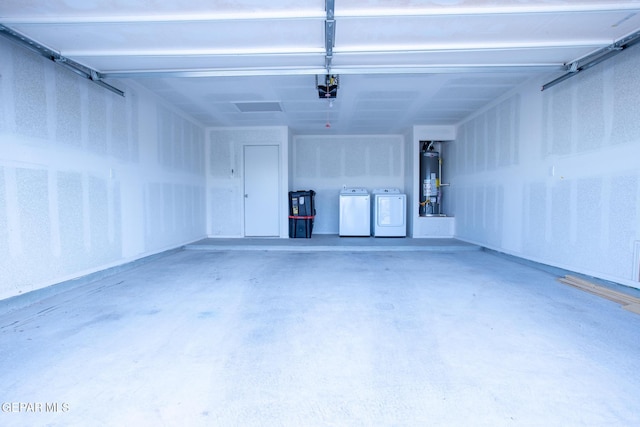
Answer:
(430, 179)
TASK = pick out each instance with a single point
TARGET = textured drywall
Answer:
(89, 179)
(327, 163)
(411, 171)
(554, 176)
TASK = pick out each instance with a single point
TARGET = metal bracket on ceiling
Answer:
(595, 58)
(56, 57)
(327, 62)
(329, 33)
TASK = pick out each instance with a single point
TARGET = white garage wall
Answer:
(88, 179)
(554, 176)
(411, 173)
(225, 176)
(327, 163)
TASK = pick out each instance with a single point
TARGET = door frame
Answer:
(283, 209)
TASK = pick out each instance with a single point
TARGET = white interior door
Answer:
(261, 190)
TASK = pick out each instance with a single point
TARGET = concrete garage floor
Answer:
(304, 337)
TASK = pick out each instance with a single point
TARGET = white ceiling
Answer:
(401, 63)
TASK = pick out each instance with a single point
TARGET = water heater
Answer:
(430, 168)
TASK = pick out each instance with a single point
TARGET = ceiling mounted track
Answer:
(54, 56)
(329, 34)
(595, 58)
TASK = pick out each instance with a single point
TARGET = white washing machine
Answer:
(355, 216)
(388, 213)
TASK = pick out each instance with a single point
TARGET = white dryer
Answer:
(388, 213)
(355, 212)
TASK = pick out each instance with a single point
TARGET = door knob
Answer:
(246, 196)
